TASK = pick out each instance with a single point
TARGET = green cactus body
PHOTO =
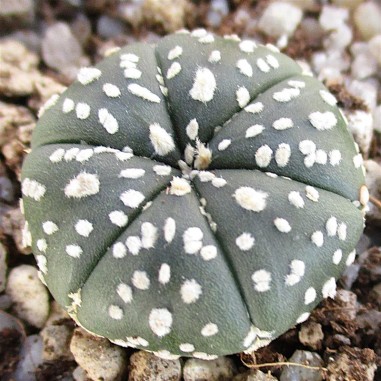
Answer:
(194, 198)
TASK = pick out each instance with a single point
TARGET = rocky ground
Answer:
(42, 46)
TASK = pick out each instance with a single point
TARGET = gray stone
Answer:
(14, 13)
(255, 375)
(56, 341)
(29, 296)
(221, 369)
(97, 356)
(360, 123)
(348, 301)
(146, 366)
(79, 374)
(367, 18)
(3, 267)
(311, 335)
(300, 373)
(109, 27)
(375, 47)
(217, 11)
(81, 28)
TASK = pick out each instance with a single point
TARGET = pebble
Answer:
(255, 375)
(367, 18)
(330, 65)
(339, 38)
(14, 14)
(369, 321)
(360, 124)
(109, 27)
(169, 14)
(366, 90)
(56, 342)
(376, 294)
(375, 47)
(221, 369)
(311, 335)
(131, 12)
(29, 296)
(3, 267)
(79, 374)
(348, 302)
(145, 366)
(217, 11)
(63, 54)
(332, 18)
(350, 4)
(30, 359)
(373, 182)
(298, 373)
(365, 63)
(377, 119)
(97, 356)
(81, 28)
(279, 19)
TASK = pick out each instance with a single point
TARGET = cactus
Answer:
(194, 198)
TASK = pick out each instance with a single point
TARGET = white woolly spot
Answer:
(331, 226)
(42, 263)
(297, 84)
(132, 198)
(303, 317)
(253, 131)
(282, 225)
(160, 79)
(207, 39)
(149, 235)
(189, 153)
(364, 195)
(143, 92)
(118, 218)
(204, 86)
(57, 155)
(42, 245)
(128, 64)
(272, 61)
(286, 95)
(255, 108)
(68, 105)
(204, 356)
(71, 154)
(244, 67)
(307, 147)
(208, 252)
(119, 250)
(74, 251)
(251, 199)
(82, 110)
(87, 75)
(263, 156)
(224, 144)
(328, 97)
(192, 239)
(169, 229)
(209, 329)
(310, 159)
(232, 37)
(131, 57)
(115, 312)
(84, 228)
(317, 238)
(49, 227)
(262, 65)
(111, 90)
(337, 255)
(283, 124)
(296, 199)
(323, 120)
(173, 70)
(309, 296)
(357, 161)
(342, 231)
(192, 129)
(262, 280)
(245, 241)
(247, 46)
(140, 280)
(132, 173)
(199, 32)
(162, 170)
(250, 337)
(215, 56)
(242, 96)
(161, 140)
(180, 186)
(132, 73)
(164, 273)
(312, 193)
(160, 321)
(329, 288)
(125, 292)
(134, 244)
(321, 157)
(83, 185)
(334, 157)
(84, 155)
(297, 269)
(137, 341)
(166, 355)
(203, 156)
(219, 182)
(190, 291)
(282, 154)
(186, 347)
(351, 258)
(206, 176)
(108, 121)
(176, 52)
